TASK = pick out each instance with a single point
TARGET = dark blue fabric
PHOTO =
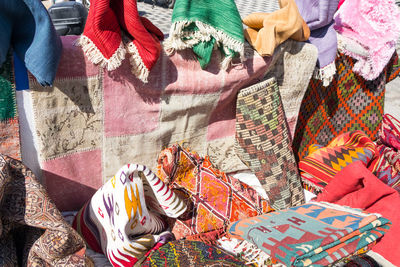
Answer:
(20, 74)
(26, 26)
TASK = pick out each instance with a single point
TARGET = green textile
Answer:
(202, 24)
(7, 93)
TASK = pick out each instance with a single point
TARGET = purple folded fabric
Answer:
(318, 14)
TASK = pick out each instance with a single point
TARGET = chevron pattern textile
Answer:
(387, 164)
(214, 198)
(125, 219)
(9, 122)
(323, 163)
(312, 234)
(264, 145)
(182, 253)
(349, 103)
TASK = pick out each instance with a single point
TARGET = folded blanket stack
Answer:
(313, 234)
(203, 25)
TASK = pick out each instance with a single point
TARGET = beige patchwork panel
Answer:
(68, 116)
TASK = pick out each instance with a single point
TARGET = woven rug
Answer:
(92, 122)
(348, 103)
(214, 199)
(292, 71)
(9, 123)
(190, 253)
(312, 234)
(263, 143)
(34, 232)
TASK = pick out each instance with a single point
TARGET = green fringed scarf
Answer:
(203, 25)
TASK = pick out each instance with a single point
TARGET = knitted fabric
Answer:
(349, 103)
(375, 25)
(9, 122)
(323, 163)
(25, 25)
(215, 199)
(33, 231)
(190, 253)
(312, 234)
(125, 217)
(268, 30)
(318, 14)
(103, 41)
(201, 25)
(264, 145)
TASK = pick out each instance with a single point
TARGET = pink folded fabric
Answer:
(375, 25)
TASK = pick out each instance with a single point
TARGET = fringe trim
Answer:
(96, 57)
(139, 69)
(325, 74)
(179, 39)
(252, 254)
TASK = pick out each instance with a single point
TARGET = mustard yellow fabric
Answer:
(268, 30)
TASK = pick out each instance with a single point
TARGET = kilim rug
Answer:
(348, 103)
(312, 234)
(214, 199)
(263, 143)
(320, 166)
(185, 253)
(33, 231)
(91, 121)
(292, 71)
(9, 125)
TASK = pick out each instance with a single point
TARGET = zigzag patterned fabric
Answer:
(125, 217)
(215, 199)
(263, 143)
(323, 163)
(184, 253)
(349, 103)
(312, 234)
(387, 165)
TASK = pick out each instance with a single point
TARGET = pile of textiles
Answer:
(215, 199)
(382, 158)
(316, 233)
(33, 231)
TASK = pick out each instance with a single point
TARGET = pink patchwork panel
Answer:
(187, 77)
(73, 62)
(73, 179)
(222, 120)
(131, 106)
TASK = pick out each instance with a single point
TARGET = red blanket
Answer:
(357, 187)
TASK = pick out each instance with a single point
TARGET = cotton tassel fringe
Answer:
(325, 74)
(138, 68)
(175, 40)
(96, 57)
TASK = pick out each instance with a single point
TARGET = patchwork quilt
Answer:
(92, 121)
